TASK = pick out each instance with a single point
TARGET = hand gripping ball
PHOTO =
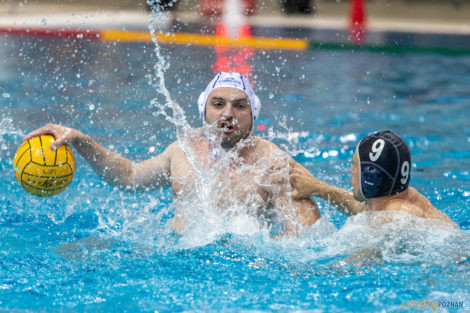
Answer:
(41, 170)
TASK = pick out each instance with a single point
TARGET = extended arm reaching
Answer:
(114, 169)
(295, 213)
(305, 184)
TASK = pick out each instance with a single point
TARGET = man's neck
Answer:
(241, 149)
(246, 146)
(379, 204)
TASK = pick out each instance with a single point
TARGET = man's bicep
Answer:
(154, 172)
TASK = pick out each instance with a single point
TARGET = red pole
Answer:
(357, 29)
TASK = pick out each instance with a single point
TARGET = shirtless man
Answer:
(381, 173)
(236, 169)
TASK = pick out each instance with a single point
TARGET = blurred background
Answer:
(449, 11)
(330, 72)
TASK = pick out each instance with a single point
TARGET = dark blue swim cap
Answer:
(384, 165)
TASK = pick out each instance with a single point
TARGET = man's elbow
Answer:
(307, 211)
(124, 181)
(124, 185)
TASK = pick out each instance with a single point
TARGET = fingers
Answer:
(62, 134)
(295, 189)
(294, 167)
(292, 162)
(59, 142)
(46, 130)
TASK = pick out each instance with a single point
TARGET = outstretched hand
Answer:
(62, 134)
(303, 183)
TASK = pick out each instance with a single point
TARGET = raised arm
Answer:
(112, 168)
(305, 185)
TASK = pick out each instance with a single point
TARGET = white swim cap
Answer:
(231, 80)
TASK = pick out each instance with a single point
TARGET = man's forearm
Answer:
(114, 169)
(341, 198)
(305, 185)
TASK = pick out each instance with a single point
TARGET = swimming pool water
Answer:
(93, 248)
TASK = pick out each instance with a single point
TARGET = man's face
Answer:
(230, 109)
(354, 170)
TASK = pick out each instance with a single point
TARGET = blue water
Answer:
(93, 248)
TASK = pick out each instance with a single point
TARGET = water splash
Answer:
(212, 196)
(171, 110)
(7, 128)
(157, 80)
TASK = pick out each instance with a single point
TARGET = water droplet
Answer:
(348, 137)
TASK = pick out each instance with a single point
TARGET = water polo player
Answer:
(236, 170)
(380, 177)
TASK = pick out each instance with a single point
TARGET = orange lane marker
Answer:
(207, 40)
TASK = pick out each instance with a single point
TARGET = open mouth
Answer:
(227, 128)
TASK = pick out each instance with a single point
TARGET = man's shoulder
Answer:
(268, 146)
(396, 205)
(197, 144)
(412, 202)
(418, 205)
(173, 146)
(268, 149)
(173, 149)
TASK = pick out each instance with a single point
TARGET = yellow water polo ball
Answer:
(42, 171)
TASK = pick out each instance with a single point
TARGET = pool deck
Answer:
(449, 23)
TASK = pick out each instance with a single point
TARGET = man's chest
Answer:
(235, 181)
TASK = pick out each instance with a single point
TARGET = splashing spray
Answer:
(221, 192)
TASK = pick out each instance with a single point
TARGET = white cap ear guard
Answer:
(256, 108)
(231, 80)
(201, 106)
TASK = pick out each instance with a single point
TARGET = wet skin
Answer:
(410, 200)
(255, 173)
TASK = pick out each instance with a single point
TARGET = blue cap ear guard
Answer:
(372, 181)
